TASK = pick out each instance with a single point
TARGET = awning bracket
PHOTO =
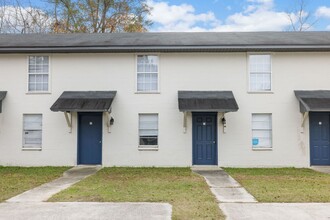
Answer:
(184, 122)
(68, 118)
(303, 119)
(108, 118)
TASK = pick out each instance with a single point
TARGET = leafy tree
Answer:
(74, 16)
(100, 16)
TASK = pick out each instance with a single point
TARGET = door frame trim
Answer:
(78, 134)
(216, 136)
(310, 139)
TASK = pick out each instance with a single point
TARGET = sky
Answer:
(234, 15)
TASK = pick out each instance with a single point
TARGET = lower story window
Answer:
(32, 131)
(148, 129)
(261, 131)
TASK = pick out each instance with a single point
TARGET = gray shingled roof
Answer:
(202, 101)
(313, 100)
(84, 101)
(166, 42)
(2, 96)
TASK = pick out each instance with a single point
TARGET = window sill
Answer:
(262, 149)
(38, 93)
(148, 148)
(31, 149)
(260, 92)
(155, 92)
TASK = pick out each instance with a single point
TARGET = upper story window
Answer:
(260, 73)
(38, 77)
(147, 73)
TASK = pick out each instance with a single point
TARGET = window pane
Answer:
(266, 81)
(38, 87)
(260, 63)
(141, 81)
(140, 67)
(148, 122)
(45, 86)
(264, 139)
(140, 59)
(32, 60)
(148, 132)
(32, 138)
(140, 87)
(38, 82)
(32, 122)
(39, 78)
(147, 81)
(261, 121)
(148, 140)
(32, 86)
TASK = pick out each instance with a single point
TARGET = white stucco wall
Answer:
(199, 71)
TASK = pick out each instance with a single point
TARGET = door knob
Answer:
(100, 142)
(213, 142)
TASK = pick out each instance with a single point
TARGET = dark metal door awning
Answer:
(2, 96)
(313, 100)
(207, 101)
(84, 101)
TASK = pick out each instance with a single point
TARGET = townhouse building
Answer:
(255, 99)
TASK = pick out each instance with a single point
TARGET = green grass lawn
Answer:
(185, 191)
(284, 184)
(15, 180)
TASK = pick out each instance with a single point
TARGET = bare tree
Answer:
(16, 18)
(100, 16)
(2, 15)
(301, 19)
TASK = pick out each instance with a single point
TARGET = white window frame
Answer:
(31, 146)
(28, 75)
(136, 75)
(148, 147)
(249, 73)
(269, 130)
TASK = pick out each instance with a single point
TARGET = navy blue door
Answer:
(89, 138)
(320, 138)
(205, 139)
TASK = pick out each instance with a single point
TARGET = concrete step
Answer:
(322, 169)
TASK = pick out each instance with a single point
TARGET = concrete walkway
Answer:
(31, 205)
(47, 190)
(223, 186)
(237, 204)
(276, 211)
(85, 211)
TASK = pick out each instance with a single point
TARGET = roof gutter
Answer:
(166, 49)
